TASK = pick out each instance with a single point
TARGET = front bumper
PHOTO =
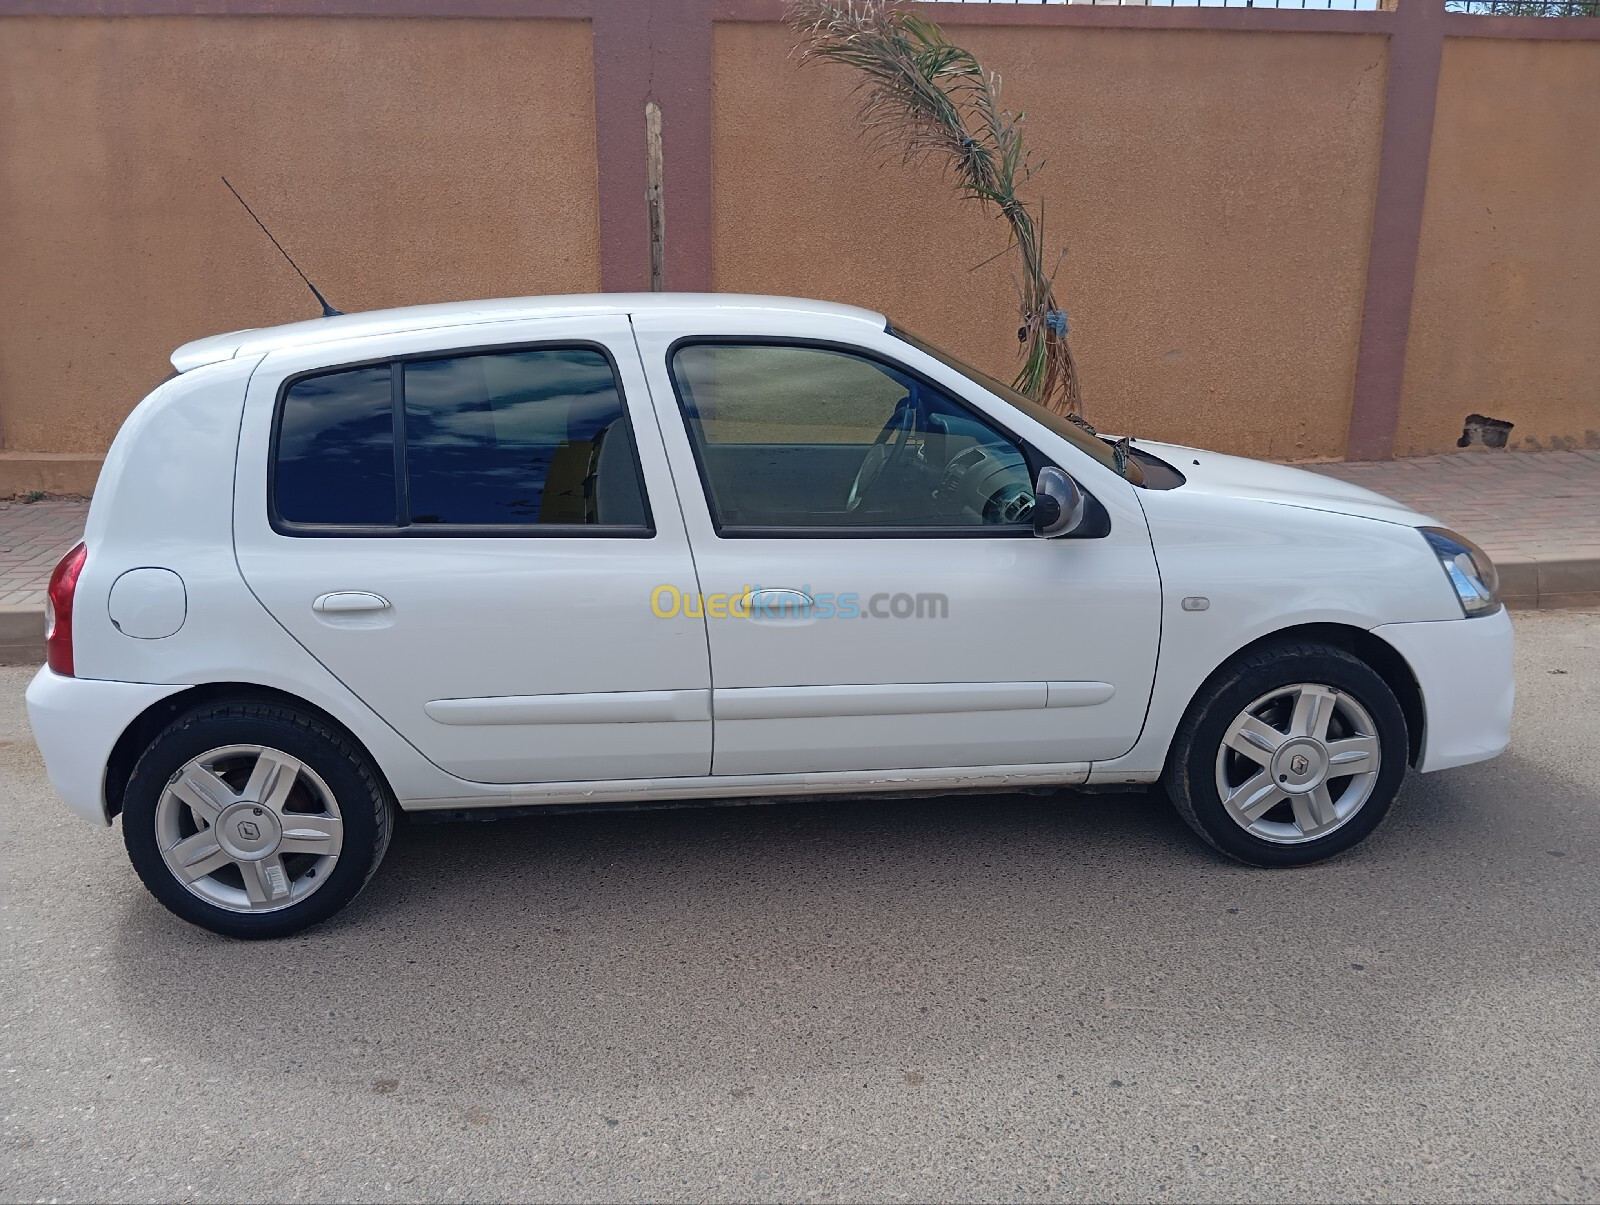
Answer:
(76, 723)
(1464, 669)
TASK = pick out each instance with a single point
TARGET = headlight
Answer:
(1471, 572)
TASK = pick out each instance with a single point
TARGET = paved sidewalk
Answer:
(1536, 513)
(33, 537)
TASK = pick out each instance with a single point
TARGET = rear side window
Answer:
(522, 441)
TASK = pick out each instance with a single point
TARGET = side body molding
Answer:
(903, 698)
(607, 707)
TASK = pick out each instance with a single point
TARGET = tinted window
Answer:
(811, 437)
(519, 437)
(336, 450)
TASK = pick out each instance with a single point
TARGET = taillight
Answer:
(58, 611)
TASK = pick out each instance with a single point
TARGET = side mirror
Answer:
(1058, 504)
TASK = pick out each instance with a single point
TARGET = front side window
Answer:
(805, 437)
(525, 439)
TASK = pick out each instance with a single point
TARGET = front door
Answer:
(875, 597)
(468, 538)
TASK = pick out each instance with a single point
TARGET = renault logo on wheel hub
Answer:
(1298, 764)
(248, 832)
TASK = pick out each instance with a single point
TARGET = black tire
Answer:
(1191, 772)
(364, 804)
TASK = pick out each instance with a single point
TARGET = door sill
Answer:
(756, 788)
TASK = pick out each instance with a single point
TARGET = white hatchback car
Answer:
(590, 551)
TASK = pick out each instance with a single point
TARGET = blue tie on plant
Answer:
(931, 99)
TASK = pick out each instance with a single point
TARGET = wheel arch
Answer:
(1373, 650)
(144, 727)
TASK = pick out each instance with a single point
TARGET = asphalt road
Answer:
(995, 997)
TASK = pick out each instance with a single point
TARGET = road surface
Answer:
(994, 997)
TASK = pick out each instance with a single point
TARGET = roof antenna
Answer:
(327, 310)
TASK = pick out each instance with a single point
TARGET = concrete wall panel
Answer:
(1506, 316)
(1214, 191)
(399, 160)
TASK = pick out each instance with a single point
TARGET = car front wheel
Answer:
(1289, 755)
(255, 819)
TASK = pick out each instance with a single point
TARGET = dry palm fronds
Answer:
(933, 100)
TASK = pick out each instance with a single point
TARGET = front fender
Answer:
(1250, 569)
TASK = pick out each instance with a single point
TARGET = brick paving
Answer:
(33, 537)
(1536, 513)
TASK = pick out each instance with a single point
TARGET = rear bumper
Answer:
(76, 723)
(1464, 669)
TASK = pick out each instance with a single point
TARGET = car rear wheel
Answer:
(255, 819)
(1289, 755)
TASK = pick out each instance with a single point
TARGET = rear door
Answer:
(466, 528)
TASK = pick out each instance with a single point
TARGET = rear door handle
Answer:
(778, 603)
(347, 601)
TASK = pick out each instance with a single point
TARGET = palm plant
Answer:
(933, 100)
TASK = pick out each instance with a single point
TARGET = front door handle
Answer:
(344, 602)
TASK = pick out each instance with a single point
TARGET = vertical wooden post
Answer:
(653, 52)
(652, 192)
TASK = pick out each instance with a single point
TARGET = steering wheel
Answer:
(883, 453)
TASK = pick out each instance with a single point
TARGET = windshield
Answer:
(1064, 427)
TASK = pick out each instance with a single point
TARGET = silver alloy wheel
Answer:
(1298, 763)
(248, 828)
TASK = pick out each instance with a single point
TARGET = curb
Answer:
(1548, 583)
(1526, 583)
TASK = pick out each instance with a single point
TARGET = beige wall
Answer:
(400, 161)
(1214, 191)
(1506, 316)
